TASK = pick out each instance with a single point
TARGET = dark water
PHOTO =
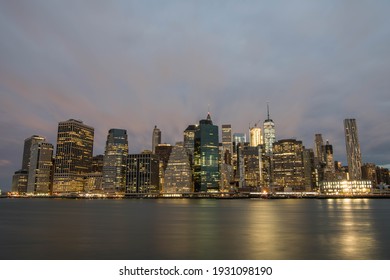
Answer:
(195, 229)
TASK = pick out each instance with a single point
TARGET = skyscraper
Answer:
(114, 162)
(328, 157)
(288, 162)
(269, 133)
(353, 149)
(256, 136)
(73, 156)
(178, 174)
(250, 166)
(189, 136)
(142, 173)
(41, 168)
(206, 152)
(227, 144)
(27, 149)
(156, 138)
(319, 149)
(238, 138)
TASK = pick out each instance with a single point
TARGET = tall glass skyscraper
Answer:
(206, 153)
(227, 143)
(319, 149)
(27, 149)
(114, 162)
(41, 168)
(353, 149)
(156, 138)
(73, 156)
(189, 136)
(269, 133)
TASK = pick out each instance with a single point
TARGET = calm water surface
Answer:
(195, 229)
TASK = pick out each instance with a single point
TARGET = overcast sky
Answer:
(136, 64)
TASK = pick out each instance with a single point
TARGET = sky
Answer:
(136, 64)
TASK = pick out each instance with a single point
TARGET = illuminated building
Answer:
(206, 152)
(163, 151)
(93, 182)
(288, 164)
(97, 164)
(329, 170)
(114, 163)
(256, 136)
(369, 173)
(353, 149)
(178, 174)
(189, 136)
(354, 187)
(382, 175)
(73, 156)
(19, 181)
(250, 167)
(227, 144)
(27, 149)
(142, 173)
(269, 134)
(318, 149)
(156, 138)
(40, 173)
(309, 169)
(238, 138)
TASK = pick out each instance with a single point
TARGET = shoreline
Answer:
(200, 196)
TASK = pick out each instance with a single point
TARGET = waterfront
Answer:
(195, 229)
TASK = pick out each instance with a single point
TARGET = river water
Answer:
(195, 229)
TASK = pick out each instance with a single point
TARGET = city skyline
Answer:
(136, 65)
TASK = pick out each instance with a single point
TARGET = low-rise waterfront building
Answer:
(355, 187)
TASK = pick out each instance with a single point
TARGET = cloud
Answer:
(4, 162)
(135, 64)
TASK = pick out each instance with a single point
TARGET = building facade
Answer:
(189, 140)
(114, 162)
(206, 156)
(73, 156)
(19, 182)
(142, 173)
(227, 144)
(346, 187)
(156, 138)
(353, 149)
(288, 165)
(27, 149)
(40, 173)
(256, 136)
(269, 133)
(178, 174)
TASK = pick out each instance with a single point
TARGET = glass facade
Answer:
(114, 163)
(41, 168)
(189, 140)
(27, 149)
(206, 156)
(156, 138)
(142, 173)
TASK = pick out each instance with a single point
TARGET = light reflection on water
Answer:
(195, 229)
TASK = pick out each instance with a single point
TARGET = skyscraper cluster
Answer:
(201, 163)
